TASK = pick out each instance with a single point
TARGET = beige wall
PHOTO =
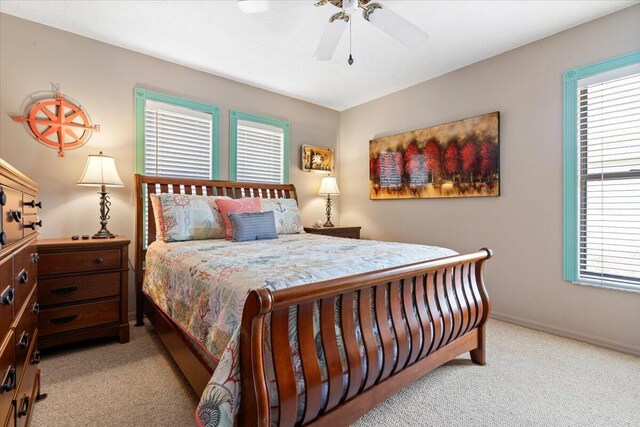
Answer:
(102, 77)
(524, 225)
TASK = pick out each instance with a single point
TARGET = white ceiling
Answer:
(274, 50)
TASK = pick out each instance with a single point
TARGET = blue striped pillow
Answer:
(253, 226)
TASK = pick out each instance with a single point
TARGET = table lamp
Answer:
(101, 172)
(329, 186)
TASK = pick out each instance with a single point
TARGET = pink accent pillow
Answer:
(244, 205)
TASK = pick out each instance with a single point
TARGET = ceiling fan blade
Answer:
(261, 6)
(331, 37)
(395, 25)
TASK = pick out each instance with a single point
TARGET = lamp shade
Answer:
(329, 185)
(100, 170)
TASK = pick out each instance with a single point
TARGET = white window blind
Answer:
(259, 152)
(177, 141)
(609, 198)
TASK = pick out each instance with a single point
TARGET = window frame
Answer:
(141, 97)
(571, 168)
(234, 116)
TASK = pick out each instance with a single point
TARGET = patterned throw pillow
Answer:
(287, 215)
(189, 217)
(157, 216)
(244, 205)
(253, 226)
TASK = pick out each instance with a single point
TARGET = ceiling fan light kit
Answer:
(377, 14)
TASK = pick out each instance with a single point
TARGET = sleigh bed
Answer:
(347, 342)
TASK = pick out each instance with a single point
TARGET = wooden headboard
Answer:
(146, 185)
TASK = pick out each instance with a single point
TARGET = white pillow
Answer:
(286, 213)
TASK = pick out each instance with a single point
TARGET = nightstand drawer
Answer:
(63, 319)
(76, 262)
(63, 290)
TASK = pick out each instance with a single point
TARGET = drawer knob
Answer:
(15, 215)
(34, 224)
(3, 238)
(24, 407)
(36, 308)
(65, 319)
(24, 340)
(7, 296)
(64, 291)
(99, 260)
(35, 258)
(36, 357)
(33, 204)
(23, 277)
(3, 198)
(9, 381)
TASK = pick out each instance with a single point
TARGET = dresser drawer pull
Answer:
(9, 381)
(65, 319)
(24, 407)
(23, 277)
(33, 204)
(3, 238)
(3, 198)
(35, 258)
(64, 291)
(36, 308)
(24, 340)
(99, 260)
(7, 296)
(36, 357)
(34, 224)
(16, 215)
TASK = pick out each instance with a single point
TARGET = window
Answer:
(603, 132)
(176, 137)
(259, 149)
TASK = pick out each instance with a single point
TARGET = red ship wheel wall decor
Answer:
(58, 122)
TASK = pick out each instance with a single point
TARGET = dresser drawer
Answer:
(8, 377)
(7, 295)
(76, 262)
(30, 224)
(24, 273)
(27, 388)
(25, 333)
(30, 204)
(63, 319)
(63, 290)
(12, 215)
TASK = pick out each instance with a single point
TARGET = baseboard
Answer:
(612, 345)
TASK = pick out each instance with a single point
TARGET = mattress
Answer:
(202, 285)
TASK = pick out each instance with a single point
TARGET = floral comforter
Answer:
(203, 286)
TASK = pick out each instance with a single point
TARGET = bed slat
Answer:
(386, 338)
(366, 324)
(287, 391)
(310, 366)
(466, 282)
(462, 301)
(331, 352)
(402, 340)
(425, 320)
(351, 345)
(409, 314)
(476, 293)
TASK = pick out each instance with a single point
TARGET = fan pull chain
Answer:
(350, 61)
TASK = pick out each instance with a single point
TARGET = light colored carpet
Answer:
(531, 379)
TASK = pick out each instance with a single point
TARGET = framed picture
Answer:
(317, 159)
(457, 159)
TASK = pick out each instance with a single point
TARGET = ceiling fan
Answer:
(379, 15)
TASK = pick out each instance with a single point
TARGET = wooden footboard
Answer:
(420, 315)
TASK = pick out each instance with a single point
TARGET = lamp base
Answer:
(328, 224)
(103, 234)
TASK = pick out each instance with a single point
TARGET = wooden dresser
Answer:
(83, 290)
(19, 309)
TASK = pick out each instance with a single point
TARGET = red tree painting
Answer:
(457, 159)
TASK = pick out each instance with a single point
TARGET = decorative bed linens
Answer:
(203, 285)
(229, 206)
(181, 217)
(287, 215)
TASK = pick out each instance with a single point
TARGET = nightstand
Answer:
(337, 231)
(83, 288)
